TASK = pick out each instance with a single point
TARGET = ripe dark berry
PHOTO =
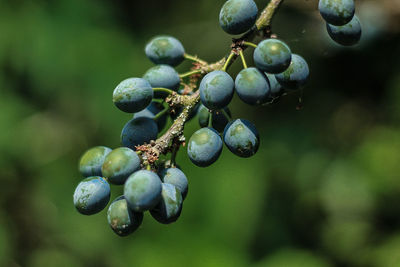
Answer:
(204, 147)
(170, 206)
(165, 50)
(163, 76)
(296, 75)
(348, 34)
(138, 131)
(120, 164)
(92, 195)
(272, 56)
(252, 86)
(133, 95)
(238, 16)
(92, 160)
(337, 12)
(177, 178)
(276, 88)
(242, 138)
(142, 190)
(122, 220)
(151, 111)
(216, 90)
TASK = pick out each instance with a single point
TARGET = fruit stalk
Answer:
(175, 132)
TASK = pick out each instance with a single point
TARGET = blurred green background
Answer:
(323, 190)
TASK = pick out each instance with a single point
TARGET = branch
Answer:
(264, 21)
(162, 145)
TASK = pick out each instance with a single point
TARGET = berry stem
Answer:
(210, 120)
(175, 148)
(195, 59)
(165, 90)
(228, 61)
(250, 44)
(226, 115)
(243, 59)
(189, 73)
(160, 114)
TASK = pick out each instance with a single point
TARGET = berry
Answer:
(276, 88)
(252, 86)
(151, 111)
(92, 160)
(205, 147)
(216, 90)
(177, 178)
(142, 190)
(165, 50)
(138, 131)
(337, 12)
(272, 56)
(170, 206)
(133, 95)
(238, 16)
(162, 165)
(120, 164)
(242, 138)
(92, 195)
(349, 34)
(296, 75)
(219, 120)
(163, 76)
(122, 219)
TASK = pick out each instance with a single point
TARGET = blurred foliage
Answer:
(322, 191)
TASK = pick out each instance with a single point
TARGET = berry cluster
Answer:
(341, 23)
(162, 193)
(155, 184)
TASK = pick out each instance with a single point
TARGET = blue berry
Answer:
(165, 50)
(205, 147)
(177, 178)
(242, 138)
(170, 206)
(349, 34)
(142, 190)
(252, 86)
(219, 120)
(133, 95)
(276, 87)
(163, 76)
(272, 56)
(296, 75)
(92, 195)
(120, 164)
(216, 90)
(138, 131)
(92, 160)
(238, 16)
(162, 165)
(337, 12)
(122, 219)
(151, 111)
